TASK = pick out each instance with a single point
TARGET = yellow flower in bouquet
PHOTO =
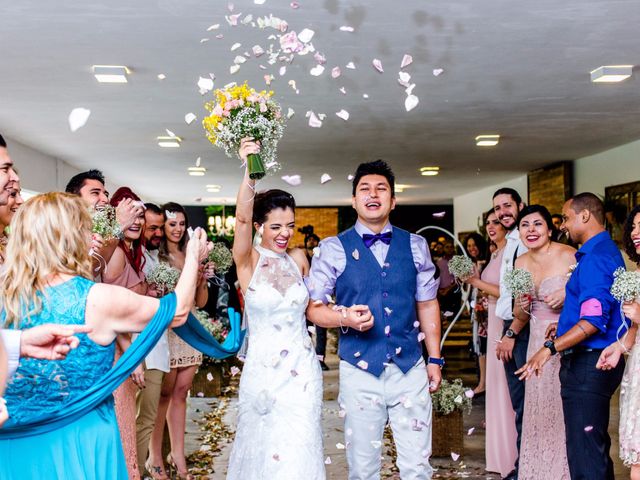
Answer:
(239, 111)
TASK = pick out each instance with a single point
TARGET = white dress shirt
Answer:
(513, 248)
(158, 358)
(11, 339)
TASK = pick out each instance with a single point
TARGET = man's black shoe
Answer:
(512, 475)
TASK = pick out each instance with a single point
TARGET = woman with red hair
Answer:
(125, 269)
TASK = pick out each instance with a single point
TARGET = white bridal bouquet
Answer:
(461, 267)
(164, 277)
(626, 285)
(519, 282)
(105, 223)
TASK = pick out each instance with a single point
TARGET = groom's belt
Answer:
(575, 350)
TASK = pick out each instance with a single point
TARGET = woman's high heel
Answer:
(156, 472)
(173, 468)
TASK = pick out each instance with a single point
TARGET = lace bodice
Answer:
(42, 386)
(547, 286)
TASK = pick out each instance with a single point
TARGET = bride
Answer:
(279, 410)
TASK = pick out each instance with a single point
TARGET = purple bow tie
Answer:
(371, 239)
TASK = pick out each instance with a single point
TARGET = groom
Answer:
(383, 376)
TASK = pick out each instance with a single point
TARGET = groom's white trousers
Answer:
(369, 401)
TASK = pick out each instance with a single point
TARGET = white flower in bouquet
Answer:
(626, 285)
(105, 223)
(217, 328)
(519, 282)
(461, 267)
(221, 257)
(164, 276)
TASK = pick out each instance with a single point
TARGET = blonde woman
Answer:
(65, 408)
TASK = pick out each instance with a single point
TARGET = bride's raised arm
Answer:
(243, 238)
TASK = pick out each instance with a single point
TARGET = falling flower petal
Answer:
(234, 371)
(161, 76)
(189, 118)
(78, 118)
(314, 121)
(311, 329)
(356, 256)
(377, 64)
(234, 69)
(458, 400)
(171, 134)
(294, 373)
(448, 314)
(259, 2)
(203, 40)
(365, 96)
(200, 395)
(268, 78)
(335, 72)
(292, 84)
(290, 112)
(343, 90)
(406, 61)
(276, 457)
(327, 461)
(416, 324)
(205, 85)
(350, 177)
(257, 50)
(317, 70)
(404, 78)
(376, 443)
(209, 377)
(343, 114)
(437, 72)
(213, 27)
(320, 58)
(357, 354)
(588, 428)
(469, 393)
(293, 180)
(421, 336)
(233, 19)
(239, 60)
(455, 456)
(351, 66)
(235, 46)
(340, 446)
(388, 311)
(306, 35)
(294, 5)
(348, 432)
(387, 330)
(325, 178)
(411, 102)
(471, 430)
(282, 70)
(346, 28)
(409, 89)
(362, 364)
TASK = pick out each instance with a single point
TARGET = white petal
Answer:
(234, 69)
(259, 2)
(343, 91)
(343, 114)
(377, 64)
(203, 40)
(213, 27)
(437, 72)
(170, 133)
(235, 46)
(421, 336)
(351, 66)
(257, 50)
(471, 430)
(190, 118)
(78, 118)
(293, 180)
(325, 178)
(205, 84)
(404, 78)
(411, 102)
(350, 177)
(283, 70)
(335, 72)
(363, 365)
(290, 112)
(314, 121)
(409, 89)
(406, 61)
(365, 96)
(346, 28)
(161, 76)
(317, 70)
(454, 456)
(327, 461)
(306, 35)
(376, 444)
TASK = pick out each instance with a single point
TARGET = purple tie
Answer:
(371, 239)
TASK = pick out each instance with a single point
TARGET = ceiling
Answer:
(520, 69)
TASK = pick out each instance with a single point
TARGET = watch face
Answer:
(509, 333)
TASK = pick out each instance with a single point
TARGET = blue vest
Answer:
(389, 291)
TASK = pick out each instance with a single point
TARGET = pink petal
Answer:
(343, 114)
(276, 457)
(209, 377)
(363, 365)
(588, 428)
(455, 456)
(320, 58)
(471, 430)
(234, 371)
(421, 336)
(398, 350)
(294, 5)
(406, 61)
(327, 461)
(469, 393)
(257, 50)
(387, 330)
(416, 324)
(377, 64)
(335, 72)
(314, 121)
(294, 373)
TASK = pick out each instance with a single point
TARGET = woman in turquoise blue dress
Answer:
(62, 423)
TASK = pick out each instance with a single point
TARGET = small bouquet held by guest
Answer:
(461, 267)
(221, 257)
(216, 327)
(105, 223)
(625, 289)
(164, 277)
(241, 112)
(520, 283)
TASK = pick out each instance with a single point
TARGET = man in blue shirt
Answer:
(589, 322)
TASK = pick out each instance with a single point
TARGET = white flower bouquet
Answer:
(461, 267)
(221, 257)
(626, 285)
(164, 277)
(519, 282)
(105, 223)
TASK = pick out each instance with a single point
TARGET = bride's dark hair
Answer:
(270, 200)
(629, 246)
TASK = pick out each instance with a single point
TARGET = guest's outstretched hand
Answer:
(534, 365)
(50, 341)
(610, 357)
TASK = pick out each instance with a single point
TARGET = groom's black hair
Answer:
(378, 167)
(3, 144)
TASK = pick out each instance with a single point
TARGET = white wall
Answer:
(468, 208)
(611, 167)
(38, 171)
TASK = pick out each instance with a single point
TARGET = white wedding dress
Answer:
(279, 434)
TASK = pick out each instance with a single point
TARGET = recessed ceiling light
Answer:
(611, 73)
(487, 140)
(197, 171)
(429, 171)
(214, 188)
(400, 187)
(111, 73)
(169, 142)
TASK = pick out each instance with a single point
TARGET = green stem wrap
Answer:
(255, 166)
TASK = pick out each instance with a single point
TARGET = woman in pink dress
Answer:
(500, 419)
(543, 453)
(125, 269)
